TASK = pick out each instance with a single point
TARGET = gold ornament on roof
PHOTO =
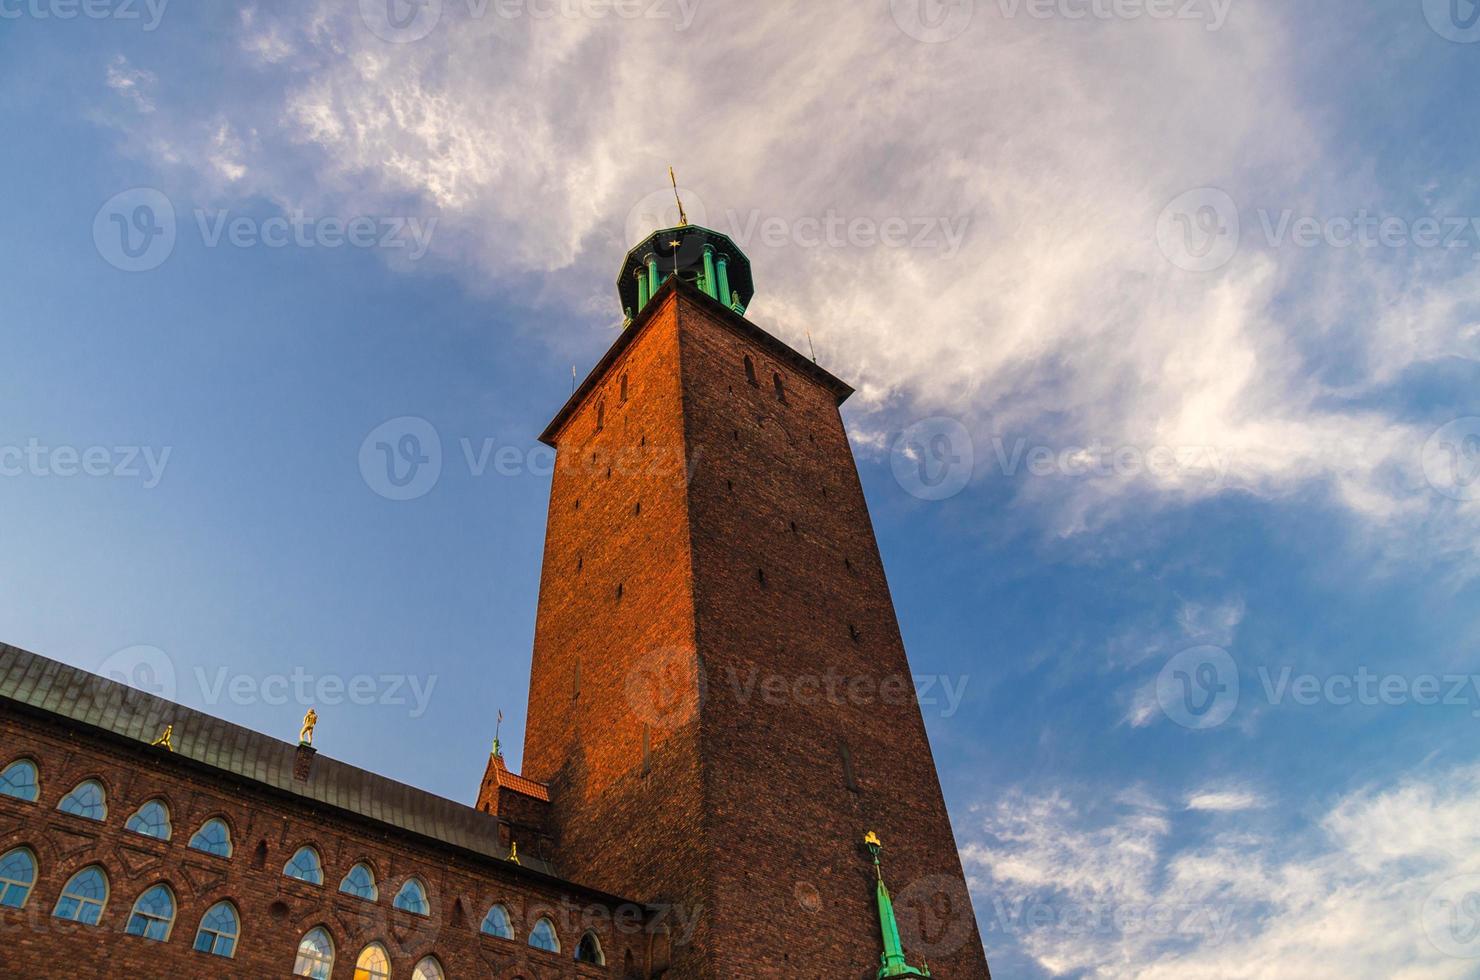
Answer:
(305, 734)
(165, 740)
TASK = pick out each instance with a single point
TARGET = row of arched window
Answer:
(86, 892)
(85, 896)
(776, 381)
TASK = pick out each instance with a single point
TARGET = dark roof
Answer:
(86, 699)
(840, 390)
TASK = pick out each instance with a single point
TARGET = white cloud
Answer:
(131, 83)
(1057, 145)
(1126, 891)
(1224, 801)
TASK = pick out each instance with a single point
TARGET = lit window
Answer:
(428, 969)
(153, 915)
(542, 936)
(496, 923)
(17, 875)
(305, 866)
(151, 820)
(83, 897)
(219, 928)
(373, 964)
(412, 897)
(19, 780)
(589, 950)
(214, 837)
(360, 882)
(87, 800)
(315, 955)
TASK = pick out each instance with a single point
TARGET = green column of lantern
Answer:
(711, 286)
(723, 273)
(642, 290)
(654, 279)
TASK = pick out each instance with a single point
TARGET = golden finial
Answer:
(872, 840)
(165, 740)
(514, 852)
(683, 219)
(305, 734)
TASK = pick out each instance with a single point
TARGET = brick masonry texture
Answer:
(720, 699)
(275, 911)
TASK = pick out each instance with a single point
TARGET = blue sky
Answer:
(1237, 241)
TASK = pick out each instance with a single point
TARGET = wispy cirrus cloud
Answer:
(1053, 149)
(1129, 889)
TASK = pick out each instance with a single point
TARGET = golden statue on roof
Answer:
(305, 734)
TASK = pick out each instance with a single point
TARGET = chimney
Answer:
(303, 762)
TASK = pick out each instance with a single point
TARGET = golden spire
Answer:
(683, 219)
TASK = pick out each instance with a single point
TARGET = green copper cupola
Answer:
(707, 259)
(891, 962)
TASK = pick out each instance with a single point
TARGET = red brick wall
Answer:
(275, 911)
(746, 812)
(610, 672)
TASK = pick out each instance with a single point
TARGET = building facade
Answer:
(722, 736)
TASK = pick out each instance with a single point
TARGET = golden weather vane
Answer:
(683, 219)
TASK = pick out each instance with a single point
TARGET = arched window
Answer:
(19, 780)
(152, 820)
(600, 416)
(315, 955)
(17, 875)
(428, 969)
(305, 866)
(749, 369)
(87, 799)
(589, 950)
(373, 963)
(412, 897)
(543, 936)
(496, 923)
(83, 897)
(360, 882)
(154, 914)
(780, 388)
(214, 837)
(219, 928)
(624, 387)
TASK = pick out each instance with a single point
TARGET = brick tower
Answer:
(720, 702)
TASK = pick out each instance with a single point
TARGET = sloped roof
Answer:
(84, 698)
(518, 783)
